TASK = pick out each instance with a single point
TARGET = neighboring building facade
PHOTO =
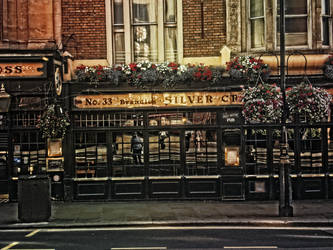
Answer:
(194, 148)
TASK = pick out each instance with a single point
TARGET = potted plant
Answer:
(147, 74)
(309, 102)
(53, 122)
(247, 67)
(262, 103)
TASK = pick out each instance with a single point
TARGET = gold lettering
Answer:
(225, 98)
(209, 99)
(191, 98)
(234, 98)
(167, 100)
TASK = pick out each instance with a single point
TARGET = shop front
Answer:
(28, 78)
(128, 145)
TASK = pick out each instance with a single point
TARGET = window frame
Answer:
(249, 27)
(308, 34)
(313, 35)
(128, 31)
(328, 16)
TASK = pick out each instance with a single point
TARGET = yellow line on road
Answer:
(32, 233)
(10, 245)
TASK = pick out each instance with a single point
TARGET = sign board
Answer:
(22, 69)
(54, 164)
(231, 117)
(161, 100)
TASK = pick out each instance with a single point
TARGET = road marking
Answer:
(138, 248)
(10, 245)
(32, 233)
(250, 247)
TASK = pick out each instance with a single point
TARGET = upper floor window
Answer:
(302, 24)
(257, 23)
(326, 15)
(296, 20)
(144, 30)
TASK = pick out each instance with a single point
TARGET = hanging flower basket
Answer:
(262, 103)
(53, 122)
(328, 68)
(309, 102)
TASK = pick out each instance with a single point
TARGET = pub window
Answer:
(296, 19)
(164, 153)
(201, 152)
(90, 154)
(127, 160)
(3, 120)
(256, 151)
(326, 23)
(276, 139)
(149, 27)
(29, 153)
(311, 150)
(25, 118)
(182, 118)
(107, 119)
(257, 23)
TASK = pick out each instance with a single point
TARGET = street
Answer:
(215, 237)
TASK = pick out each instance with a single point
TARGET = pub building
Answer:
(194, 142)
(129, 143)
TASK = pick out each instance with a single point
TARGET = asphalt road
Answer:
(168, 238)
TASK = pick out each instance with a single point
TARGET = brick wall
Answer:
(214, 27)
(85, 19)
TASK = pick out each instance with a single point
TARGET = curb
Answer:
(232, 222)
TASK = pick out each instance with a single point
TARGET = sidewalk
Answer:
(174, 213)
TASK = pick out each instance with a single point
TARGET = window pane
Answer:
(119, 46)
(145, 43)
(164, 153)
(256, 151)
(294, 25)
(170, 44)
(294, 7)
(127, 159)
(326, 40)
(170, 11)
(118, 12)
(311, 150)
(257, 8)
(257, 33)
(201, 152)
(144, 11)
(325, 9)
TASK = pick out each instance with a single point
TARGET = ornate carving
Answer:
(233, 24)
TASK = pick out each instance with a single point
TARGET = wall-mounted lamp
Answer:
(4, 99)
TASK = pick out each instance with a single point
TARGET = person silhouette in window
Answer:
(136, 148)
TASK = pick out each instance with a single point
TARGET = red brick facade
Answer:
(85, 19)
(214, 13)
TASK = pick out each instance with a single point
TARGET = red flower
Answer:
(133, 66)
